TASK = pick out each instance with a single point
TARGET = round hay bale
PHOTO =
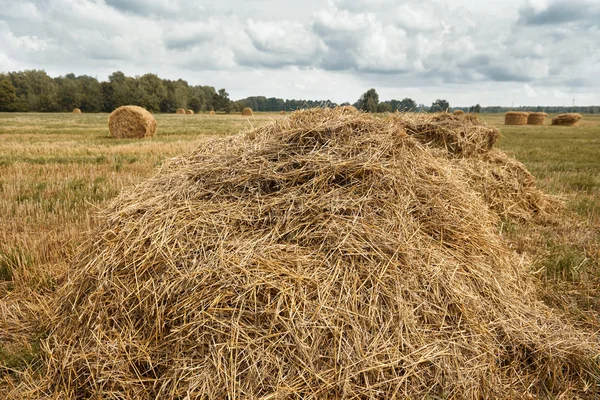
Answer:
(76, 111)
(180, 111)
(189, 112)
(211, 112)
(570, 119)
(536, 118)
(349, 109)
(515, 118)
(335, 256)
(281, 112)
(459, 112)
(247, 112)
(131, 122)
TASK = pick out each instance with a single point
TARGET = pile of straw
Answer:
(76, 111)
(570, 119)
(515, 118)
(247, 112)
(459, 112)
(324, 255)
(189, 112)
(536, 118)
(180, 111)
(131, 122)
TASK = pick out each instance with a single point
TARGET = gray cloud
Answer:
(560, 12)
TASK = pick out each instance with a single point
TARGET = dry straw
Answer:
(189, 112)
(324, 255)
(570, 119)
(76, 111)
(131, 122)
(536, 118)
(247, 112)
(515, 118)
(180, 111)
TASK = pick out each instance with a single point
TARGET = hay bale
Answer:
(459, 112)
(211, 112)
(76, 111)
(131, 122)
(570, 119)
(349, 109)
(281, 112)
(333, 256)
(180, 111)
(536, 118)
(515, 118)
(189, 112)
(247, 112)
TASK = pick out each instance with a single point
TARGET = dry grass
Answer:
(515, 118)
(131, 122)
(55, 168)
(326, 255)
(566, 119)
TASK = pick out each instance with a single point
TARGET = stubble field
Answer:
(57, 169)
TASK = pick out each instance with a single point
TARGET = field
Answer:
(57, 169)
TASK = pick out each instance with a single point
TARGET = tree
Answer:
(439, 106)
(475, 109)
(195, 104)
(8, 96)
(368, 101)
(384, 107)
(221, 101)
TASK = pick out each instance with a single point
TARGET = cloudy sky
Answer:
(493, 52)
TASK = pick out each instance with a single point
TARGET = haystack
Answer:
(211, 112)
(180, 111)
(76, 111)
(349, 109)
(131, 122)
(570, 119)
(324, 255)
(247, 112)
(536, 118)
(459, 112)
(515, 118)
(189, 112)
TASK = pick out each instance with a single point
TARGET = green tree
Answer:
(195, 104)
(384, 107)
(8, 96)
(475, 109)
(221, 101)
(368, 101)
(439, 106)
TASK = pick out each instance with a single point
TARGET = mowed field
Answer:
(57, 169)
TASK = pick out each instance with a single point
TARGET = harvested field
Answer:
(84, 169)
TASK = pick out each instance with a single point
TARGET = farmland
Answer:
(57, 169)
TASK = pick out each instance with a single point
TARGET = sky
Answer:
(491, 52)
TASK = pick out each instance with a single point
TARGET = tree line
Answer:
(34, 90)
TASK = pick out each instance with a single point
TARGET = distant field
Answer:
(56, 169)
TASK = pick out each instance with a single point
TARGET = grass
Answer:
(57, 169)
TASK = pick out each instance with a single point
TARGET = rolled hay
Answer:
(536, 118)
(459, 112)
(515, 118)
(131, 122)
(189, 112)
(180, 111)
(211, 112)
(281, 112)
(349, 109)
(331, 256)
(76, 111)
(570, 119)
(247, 112)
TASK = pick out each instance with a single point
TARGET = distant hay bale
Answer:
(570, 119)
(211, 112)
(131, 122)
(349, 109)
(247, 112)
(282, 112)
(459, 112)
(536, 118)
(189, 112)
(180, 111)
(515, 118)
(76, 111)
